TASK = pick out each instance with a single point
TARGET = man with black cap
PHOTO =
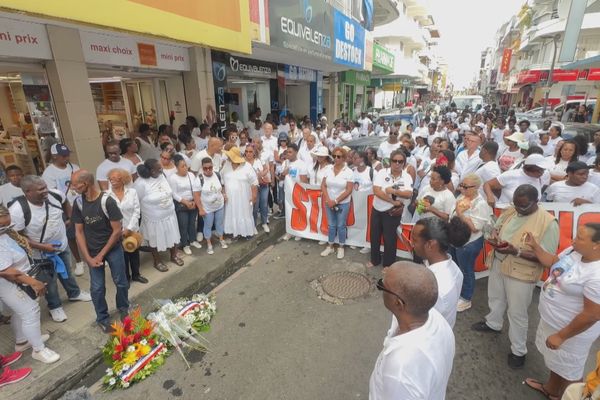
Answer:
(418, 351)
(575, 189)
(57, 176)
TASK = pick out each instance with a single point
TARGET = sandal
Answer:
(539, 386)
(177, 260)
(161, 267)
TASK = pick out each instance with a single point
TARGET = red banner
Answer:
(505, 66)
(563, 75)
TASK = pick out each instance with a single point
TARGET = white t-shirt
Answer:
(415, 365)
(269, 144)
(283, 128)
(8, 192)
(486, 172)
(296, 169)
(385, 179)
(466, 164)
(316, 178)
(444, 201)
(548, 149)
(12, 255)
(594, 178)
(558, 169)
(560, 192)
(363, 179)
(507, 158)
(364, 126)
(449, 279)
(201, 143)
(479, 213)
(55, 228)
(498, 135)
(386, 148)
(512, 179)
(106, 166)
(211, 194)
(336, 184)
(196, 164)
(184, 186)
(60, 179)
(561, 297)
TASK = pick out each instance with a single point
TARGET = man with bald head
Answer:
(97, 220)
(418, 351)
(213, 151)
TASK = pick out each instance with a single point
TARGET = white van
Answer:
(560, 109)
(463, 102)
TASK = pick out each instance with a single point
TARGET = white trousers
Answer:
(514, 297)
(25, 320)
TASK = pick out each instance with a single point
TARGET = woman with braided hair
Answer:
(14, 265)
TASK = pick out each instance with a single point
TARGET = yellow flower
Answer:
(130, 358)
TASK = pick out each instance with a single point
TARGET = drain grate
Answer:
(345, 285)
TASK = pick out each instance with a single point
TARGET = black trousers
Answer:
(132, 264)
(384, 224)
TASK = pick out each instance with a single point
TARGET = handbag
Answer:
(396, 211)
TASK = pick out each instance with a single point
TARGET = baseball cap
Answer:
(282, 136)
(536, 159)
(59, 149)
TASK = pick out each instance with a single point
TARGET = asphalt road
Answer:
(274, 339)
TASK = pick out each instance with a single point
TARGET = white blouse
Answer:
(130, 208)
(184, 186)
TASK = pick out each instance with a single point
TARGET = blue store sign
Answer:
(349, 48)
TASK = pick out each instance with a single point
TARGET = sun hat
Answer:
(132, 242)
(516, 137)
(234, 155)
(320, 151)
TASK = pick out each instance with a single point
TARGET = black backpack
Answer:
(201, 176)
(22, 200)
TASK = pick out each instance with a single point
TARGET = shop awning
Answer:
(590, 62)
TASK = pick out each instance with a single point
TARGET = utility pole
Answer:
(550, 75)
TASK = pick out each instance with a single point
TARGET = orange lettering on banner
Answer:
(565, 229)
(314, 196)
(350, 221)
(406, 232)
(298, 217)
(324, 226)
(369, 212)
(588, 217)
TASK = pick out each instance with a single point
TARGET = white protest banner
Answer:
(305, 217)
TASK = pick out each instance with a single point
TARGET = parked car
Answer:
(463, 102)
(560, 109)
(362, 144)
(573, 129)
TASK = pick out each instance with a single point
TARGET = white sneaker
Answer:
(210, 250)
(58, 315)
(322, 242)
(79, 268)
(83, 296)
(223, 244)
(45, 355)
(266, 228)
(340, 253)
(353, 247)
(297, 238)
(328, 250)
(287, 236)
(463, 305)
(196, 245)
(25, 346)
(187, 250)
(365, 250)
(199, 237)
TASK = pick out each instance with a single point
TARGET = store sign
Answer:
(126, 51)
(562, 75)
(295, 73)
(360, 78)
(214, 23)
(505, 65)
(245, 67)
(24, 39)
(383, 58)
(219, 72)
(349, 41)
(302, 26)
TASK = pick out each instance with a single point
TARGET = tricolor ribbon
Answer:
(141, 363)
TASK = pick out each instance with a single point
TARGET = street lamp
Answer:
(550, 74)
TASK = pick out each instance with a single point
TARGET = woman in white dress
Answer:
(241, 187)
(159, 221)
(569, 309)
(129, 204)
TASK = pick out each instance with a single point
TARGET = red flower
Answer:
(137, 337)
(125, 342)
(116, 357)
(127, 323)
(151, 342)
(147, 332)
(118, 348)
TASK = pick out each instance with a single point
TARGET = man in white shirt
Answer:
(201, 138)
(269, 141)
(12, 189)
(380, 127)
(468, 160)
(113, 161)
(364, 123)
(386, 148)
(535, 138)
(418, 351)
(354, 132)
(39, 217)
(213, 151)
(235, 119)
(488, 167)
(57, 176)
(497, 134)
(575, 189)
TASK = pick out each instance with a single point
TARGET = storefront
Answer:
(384, 62)
(243, 85)
(134, 81)
(353, 93)
(27, 112)
(303, 91)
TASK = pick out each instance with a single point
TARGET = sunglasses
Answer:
(338, 156)
(397, 161)
(382, 288)
(393, 133)
(465, 186)
(207, 168)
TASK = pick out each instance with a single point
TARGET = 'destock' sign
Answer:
(349, 46)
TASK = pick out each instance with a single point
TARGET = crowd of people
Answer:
(444, 173)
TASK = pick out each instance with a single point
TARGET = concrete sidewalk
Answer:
(79, 340)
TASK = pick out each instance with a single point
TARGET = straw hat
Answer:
(516, 137)
(234, 155)
(132, 242)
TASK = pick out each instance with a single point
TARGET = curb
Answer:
(184, 283)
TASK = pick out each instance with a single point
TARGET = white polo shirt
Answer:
(449, 279)
(416, 364)
(466, 164)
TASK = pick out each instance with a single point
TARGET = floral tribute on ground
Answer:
(133, 352)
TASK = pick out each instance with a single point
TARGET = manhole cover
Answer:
(345, 285)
